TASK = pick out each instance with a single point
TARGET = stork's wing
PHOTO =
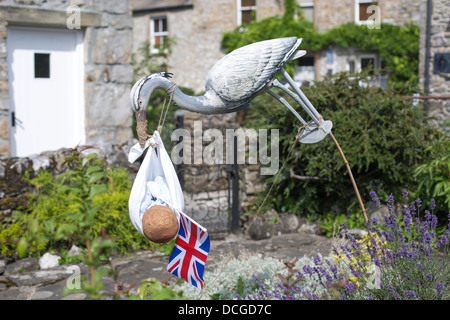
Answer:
(243, 72)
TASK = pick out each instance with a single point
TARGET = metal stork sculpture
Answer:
(234, 81)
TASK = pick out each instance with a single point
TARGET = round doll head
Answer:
(160, 224)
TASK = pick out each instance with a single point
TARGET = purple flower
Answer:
(417, 224)
(377, 262)
(444, 238)
(434, 222)
(439, 288)
(400, 236)
(433, 204)
(410, 294)
(333, 268)
(350, 287)
(316, 260)
(390, 203)
(375, 198)
(407, 221)
(412, 208)
(307, 269)
(391, 289)
(418, 203)
(429, 276)
(405, 194)
(344, 225)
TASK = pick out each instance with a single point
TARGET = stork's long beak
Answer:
(141, 126)
(141, 115)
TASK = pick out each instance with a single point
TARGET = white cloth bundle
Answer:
(156, 181)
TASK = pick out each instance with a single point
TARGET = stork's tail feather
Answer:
(298, 54)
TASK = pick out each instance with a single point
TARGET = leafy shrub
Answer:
(433, 175)
(383, 136)
(330, 223)
(52, 220)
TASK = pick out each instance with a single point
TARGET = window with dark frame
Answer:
(307, 7)
(42, 65)
(159, 32)
(351, 66)
(247, 11)
(368, 63)
(304, 71)
(363, 6)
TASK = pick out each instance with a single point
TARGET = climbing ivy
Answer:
(398, 46)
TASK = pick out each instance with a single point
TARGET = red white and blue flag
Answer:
(190, 252)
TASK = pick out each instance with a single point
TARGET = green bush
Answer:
(51, 220)
(433, 175)
(382, 134)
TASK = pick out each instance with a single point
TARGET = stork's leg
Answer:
(287, 105)
(306, 104)
(312, 133)
(297, 99)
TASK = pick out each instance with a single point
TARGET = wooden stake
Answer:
(351, 176)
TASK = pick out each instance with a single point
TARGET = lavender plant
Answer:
(402, 259)
(415, 263)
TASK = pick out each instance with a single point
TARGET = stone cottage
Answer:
(197, 27)
(65, 74)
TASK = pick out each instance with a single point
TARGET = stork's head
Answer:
(142, 90)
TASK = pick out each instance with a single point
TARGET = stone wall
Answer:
(330, 14)
(207, 190)
(197, 32)
(400, 12)
(108, 72)
(439, 83)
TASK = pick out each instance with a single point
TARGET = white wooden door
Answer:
(46, 89)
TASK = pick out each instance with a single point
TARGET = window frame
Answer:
(309, 4)
(357, 11)
(154, 34)
(368, 56)
(297, 67)
(241, 8)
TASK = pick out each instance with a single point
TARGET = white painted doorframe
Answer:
(49, 112)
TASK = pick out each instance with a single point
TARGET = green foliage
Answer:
(397, 46)
(331, 223)
(52, 220)
(382, 135)
(433, 175)
(146, 61)
(152, 289)
(113, 216)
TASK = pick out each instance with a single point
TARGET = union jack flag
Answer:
(190, 252)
